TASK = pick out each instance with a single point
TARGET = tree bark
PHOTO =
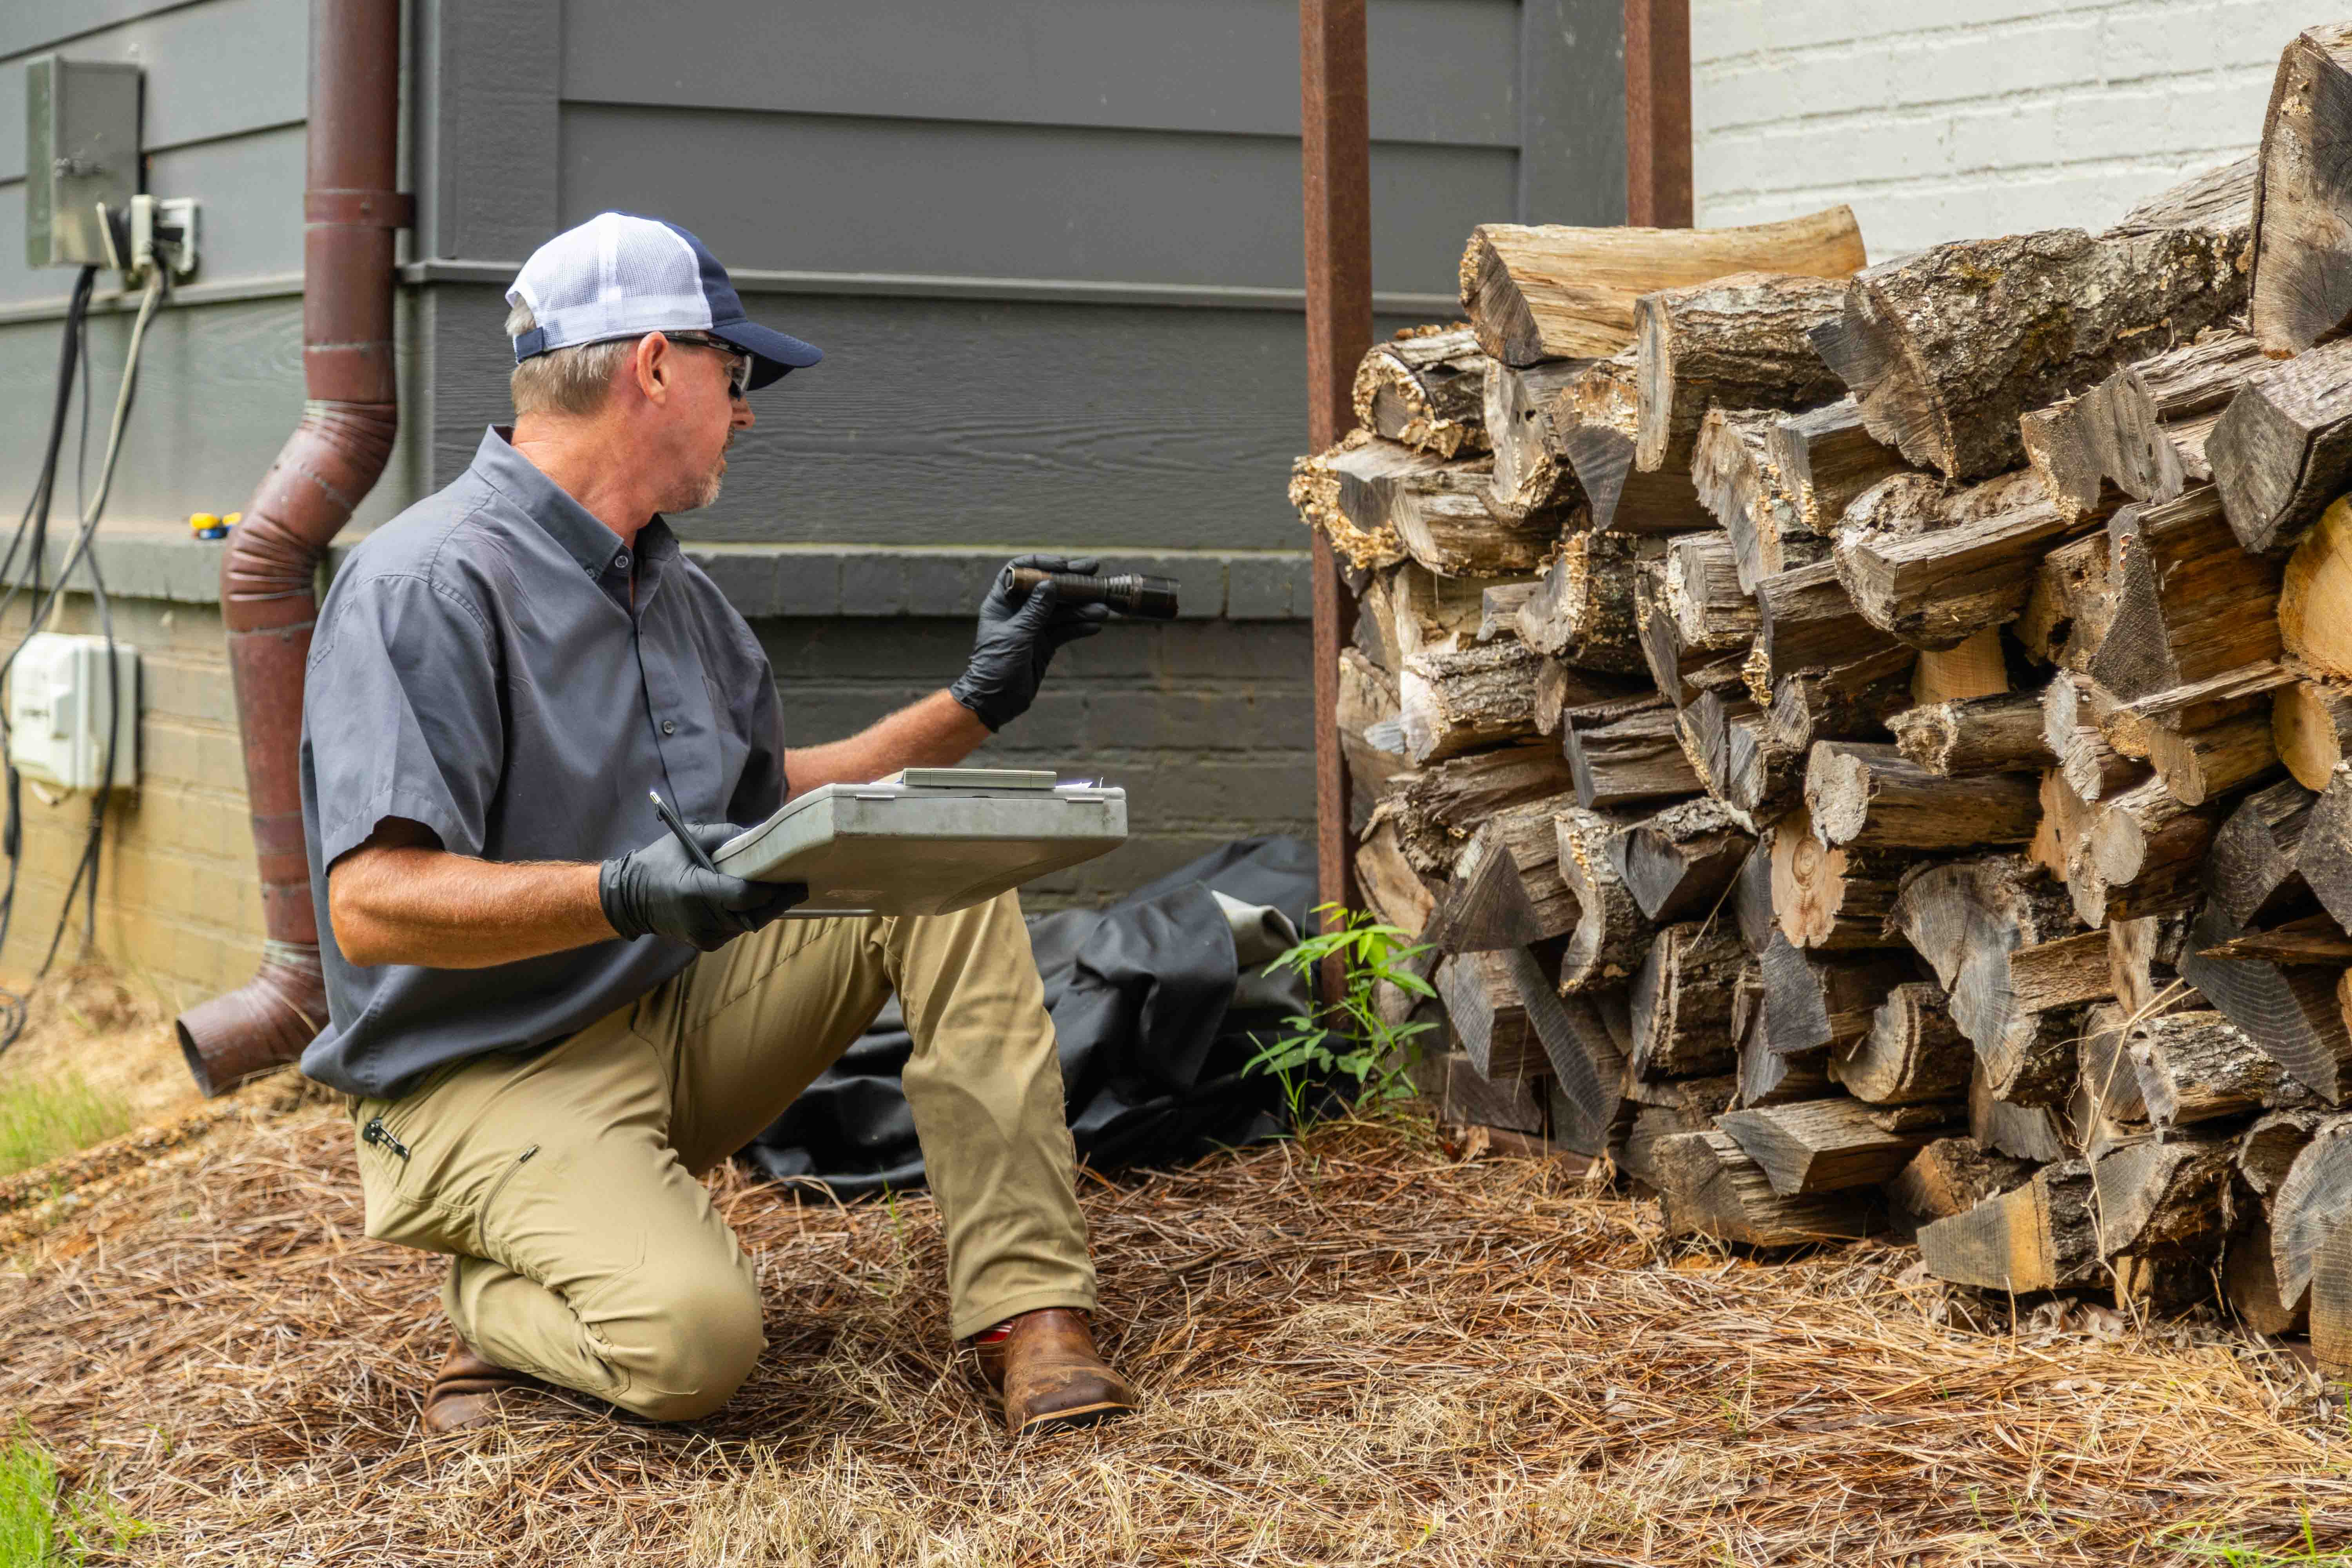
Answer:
(1554, 292)
(1531, 473)
(1946, 349)
(1808, 626)
(2302, 261)
(2200, 1066)
(1425, 389)
(1611, 939)
(1626, 753)
(1979, 736)
(1449, 703)
(1582, 612)
(1738, 341)
(1701, 590)
(1935, 584)
(2068, 608)
(1439, 807)
(1868, 794)
(1680, 670)
(1682, 1002)
(1951, 1176)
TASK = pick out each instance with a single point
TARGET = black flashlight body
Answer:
(1129, 593)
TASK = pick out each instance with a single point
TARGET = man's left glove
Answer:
(659, 890)
(1017, 639)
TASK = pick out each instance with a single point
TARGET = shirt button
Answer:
(621, 561)
(669, 726)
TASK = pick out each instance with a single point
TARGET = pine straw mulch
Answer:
(1358, 1350)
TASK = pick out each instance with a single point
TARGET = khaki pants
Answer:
(564, 1184)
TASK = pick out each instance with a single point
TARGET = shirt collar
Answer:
(596, 548)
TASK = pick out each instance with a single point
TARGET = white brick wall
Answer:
(1945, 120)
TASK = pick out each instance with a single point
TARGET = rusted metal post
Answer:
(1657, 113)
(1335, 143)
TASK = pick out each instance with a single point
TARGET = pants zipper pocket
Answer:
(376, 1133)
(521, 1161)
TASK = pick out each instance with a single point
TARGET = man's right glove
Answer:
(659, 890)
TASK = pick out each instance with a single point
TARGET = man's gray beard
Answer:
(708, 495)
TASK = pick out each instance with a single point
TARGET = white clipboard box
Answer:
(927, 841)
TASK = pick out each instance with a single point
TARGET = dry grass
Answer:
(111, 1034)
(1359, 1351)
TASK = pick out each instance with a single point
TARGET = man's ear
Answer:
(653, 365)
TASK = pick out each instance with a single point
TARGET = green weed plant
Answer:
(1345, 1041)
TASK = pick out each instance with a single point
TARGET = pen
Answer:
(677, 830)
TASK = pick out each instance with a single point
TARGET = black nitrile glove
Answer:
(659, 890)
(1017, 639)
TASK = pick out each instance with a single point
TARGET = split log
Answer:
(1813, 1002)
(2109, 1104)
(1913, 1054)
(1870, 795)
(1947, 350)
(1972, 668)
(1439, 807)
(1821, 1146)
(1751, 893)
(1808, 626)
(1700, 578)
(1586, 1056)
(2166, 1195)
(2143, 956)
(1507, 890)
(2291, 1011)
(1371, 734)
(1424, 389)
(1472, 1100)
(2306, 939)
(2250, 1280)
(1327, 488)
(1951, 1176)
(2312, 1204)
(1593, 422)
(1485, 1009)
(2316, 596)
(1620, 753)
(2251, 873)
(2060, 838)
(1732, 473)
(1444, 521)
(2000, 938)
(2026, 1132)
(1729, 747)
(2200, 1066)
(2067, 611)
(2043, 1235)
(2190, 605)
(2283, 449)
(1826, 459)
(1611, 939)
(1540, 292)
(1530, 475)
(1680, 670)
(1834, 900)
(2324, 855)
(2143, 854)
(1682, 1002)
(1666, 1109)
(1999, 734)
(1407, 609)
(2311, 725)
(1582, 612)
(1740, 342)
(2141, 434)
(1709, 1186)
(1768, 1077)
(1449, 703)
(1394, 889)
(1935, 584)
(1498, 608)
(1679, 863)
(2268, 1147)
(2302, 262)
(2220, 199)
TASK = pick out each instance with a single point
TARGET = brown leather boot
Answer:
(1046, 1366)
(468, 1390)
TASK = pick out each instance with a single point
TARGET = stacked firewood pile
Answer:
(1867, 746)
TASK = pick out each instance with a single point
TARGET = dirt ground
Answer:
(111, 1032)
(1358, 1349)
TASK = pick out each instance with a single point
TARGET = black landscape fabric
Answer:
(1154, 1014)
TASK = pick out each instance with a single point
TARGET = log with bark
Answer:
(1700, 587)
(2144, 853)
(1731, 471)
(1626, 753)
(1822, 1146)
(1611, 939)
(1825, 458)
(1935, 567)
(1913, 1053)
(2190, 605)
(1531, 474)
(1397, 892)
(1328, 489)
(2001, 733)
(1582, 611)
(1740, 342)
(1488, 1016)
(2301, 260)
(1665, 1108)
(2032, 1132)
(1947, 350)
(1808, 626)
(1592, 420)
(1370, 734)
(2155, 1198)
(1709, 1186)
(1815, 1002)
(1507, 890)
(2283, 449)
(1868, 794)
(2043, 1235)
(2068, 608)
(2199, 1067)
(1833, 898)
(2141, 434)
(1679, 862)
(1425, 387)
(1680, 669)
(1951, 1176)
(1437, 808)
(1682, 1001)
(2291, 1010)
(1548, 292)
(1449, 703)
(1407, 609)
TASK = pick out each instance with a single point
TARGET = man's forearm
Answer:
(936, 733)
(392, 904)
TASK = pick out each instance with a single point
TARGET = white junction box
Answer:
(61, 706)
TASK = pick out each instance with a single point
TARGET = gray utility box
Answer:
(81, 150)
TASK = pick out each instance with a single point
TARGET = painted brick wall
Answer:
(1973, 117)
(1208, 725)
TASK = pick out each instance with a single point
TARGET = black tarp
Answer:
(1154, 1011)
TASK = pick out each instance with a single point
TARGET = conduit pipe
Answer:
(270, 575)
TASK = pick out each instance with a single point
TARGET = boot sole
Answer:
(1084, 1415)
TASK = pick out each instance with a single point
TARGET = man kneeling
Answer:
(551, 1019)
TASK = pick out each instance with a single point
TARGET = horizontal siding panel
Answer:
(28, 26)
(1442, 70)
(250, 225)
(841, 195)
(212, 69)
(969, 423)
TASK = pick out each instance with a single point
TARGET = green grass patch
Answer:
(44, 1119)
(40, 1526)
(2236, 1553)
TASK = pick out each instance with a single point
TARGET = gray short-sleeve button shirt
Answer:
(480, 667)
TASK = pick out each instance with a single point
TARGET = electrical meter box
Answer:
(61, 707)
(81, 151)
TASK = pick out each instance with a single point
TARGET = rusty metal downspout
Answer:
(268, 578)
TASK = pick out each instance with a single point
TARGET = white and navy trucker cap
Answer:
(621, 276)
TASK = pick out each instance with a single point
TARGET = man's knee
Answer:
(690, 1357)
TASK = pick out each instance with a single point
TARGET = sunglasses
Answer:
(738, 363)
